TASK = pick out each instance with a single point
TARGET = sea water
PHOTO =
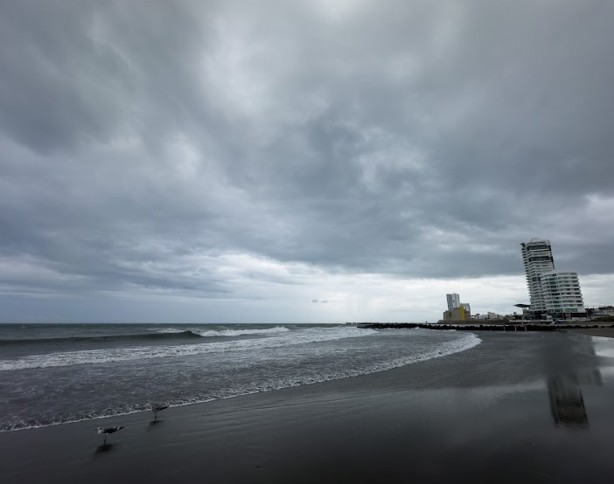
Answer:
(53, 374)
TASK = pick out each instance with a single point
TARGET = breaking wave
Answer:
(110, 355)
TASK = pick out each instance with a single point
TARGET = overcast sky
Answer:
(299, 161)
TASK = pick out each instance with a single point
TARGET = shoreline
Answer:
(485, 327)
(474, 411)
(604, 331)
(467, 342)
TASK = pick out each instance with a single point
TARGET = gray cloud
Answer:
(413, 139)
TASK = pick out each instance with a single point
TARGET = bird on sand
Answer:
(108, 431)
(158, 407)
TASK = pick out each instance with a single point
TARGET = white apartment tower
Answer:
(562, 294)
(555, 292)
(537, 259)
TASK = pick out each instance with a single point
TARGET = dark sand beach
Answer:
(605, 332)
(527, 407)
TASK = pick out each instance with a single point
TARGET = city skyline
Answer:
(327, 161)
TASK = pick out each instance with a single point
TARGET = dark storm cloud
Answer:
(142, 141)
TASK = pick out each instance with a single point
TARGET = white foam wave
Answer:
(241, 332)
(466, 342)
(101, 356)
(167, 330)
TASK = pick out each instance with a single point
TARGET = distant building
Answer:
(603, 311)
(453, 301)
(457, 311)
(562, 294)
(553, 293)
(457, 314)
(537, 259)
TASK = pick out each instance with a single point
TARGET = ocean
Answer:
(54, 374)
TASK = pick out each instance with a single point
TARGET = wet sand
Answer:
(528, 407)
(604, 332)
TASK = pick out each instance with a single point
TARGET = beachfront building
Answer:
(458, 314)
(537, 259)
(553, 294)
(453, 301)
(562, 294)
(457, 311)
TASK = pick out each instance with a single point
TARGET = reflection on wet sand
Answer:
(567, 402)
(566, 399)
(565, 389)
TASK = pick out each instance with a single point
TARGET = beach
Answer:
(604, 332)
(526, 407)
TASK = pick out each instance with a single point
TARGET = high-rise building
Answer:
(457, 311)
(556, 293)
(537, 259)
(453, 301)
(562, 294)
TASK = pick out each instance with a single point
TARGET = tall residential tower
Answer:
(537, 258)
(556, 293)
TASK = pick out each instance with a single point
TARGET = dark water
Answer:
(52, 374)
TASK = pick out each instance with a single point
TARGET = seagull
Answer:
(108, 431)
(158, 407)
